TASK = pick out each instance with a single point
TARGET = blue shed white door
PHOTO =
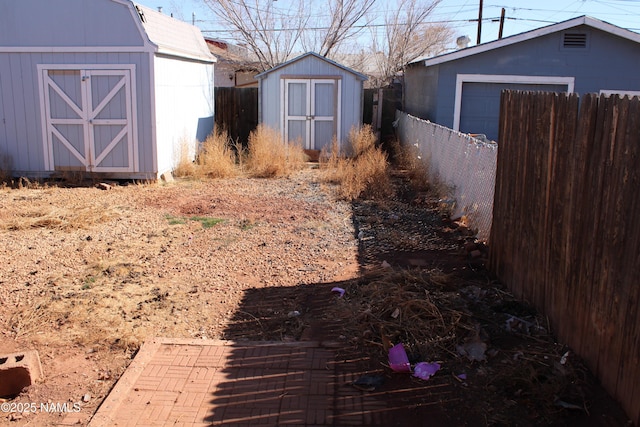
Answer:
(311, 111)
(88, 118)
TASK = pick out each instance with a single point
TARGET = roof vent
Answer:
(574, 40)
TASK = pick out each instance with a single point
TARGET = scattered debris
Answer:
(516, 324)
(339, 291)
(436, 317)
(398, 359)
(424, 370)
(567, 405)
(368, 382)
(473, 350)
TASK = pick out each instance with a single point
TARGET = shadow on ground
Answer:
(290, 365)
(306, 356)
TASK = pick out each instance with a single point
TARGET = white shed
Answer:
(100, 86)
(310, 99)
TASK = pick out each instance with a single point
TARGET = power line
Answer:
(453, 21)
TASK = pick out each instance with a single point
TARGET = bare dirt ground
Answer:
(87, 275)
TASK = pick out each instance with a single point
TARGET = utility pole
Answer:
(501, 24)
(479, 22)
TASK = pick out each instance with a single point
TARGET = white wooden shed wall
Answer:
(322, 84)
(184, 106)
(73, 68)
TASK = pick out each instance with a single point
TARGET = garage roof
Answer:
(554, 28)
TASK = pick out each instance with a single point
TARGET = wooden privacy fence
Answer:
(565, 234)
(379, 110)
(236, 111)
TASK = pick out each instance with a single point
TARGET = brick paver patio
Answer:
(178, 382)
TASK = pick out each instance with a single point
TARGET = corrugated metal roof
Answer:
(172, 36)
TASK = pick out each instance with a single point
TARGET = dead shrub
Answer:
(184, 165)
(240, 154)
(365, 174)
(408, 158)
(361, 140)
(331, 162)
(269, 157)
(216, 159)
(21, 216)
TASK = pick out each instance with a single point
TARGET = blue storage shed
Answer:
(311, 99)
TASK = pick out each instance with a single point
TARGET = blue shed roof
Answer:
(284, 64)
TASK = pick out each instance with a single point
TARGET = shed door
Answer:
(89, 120)
(311, 111)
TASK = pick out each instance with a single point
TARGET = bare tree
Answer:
(407, 36)
(344, 17)
(268, 32)
(274, 34)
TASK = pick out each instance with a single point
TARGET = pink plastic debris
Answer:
(424, 370)
(398, 359)
(338, 290)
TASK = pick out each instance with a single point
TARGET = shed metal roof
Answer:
(517, 38)
(172, 36)
(284, 64)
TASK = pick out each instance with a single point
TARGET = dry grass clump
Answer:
(216, 159)
(412, 307)
(220, 157)
(364, 173)
(474, 328)
(107, 304)
(408, 158)
(269, 157)
(27, 212)
(361, 141)
(184, 165)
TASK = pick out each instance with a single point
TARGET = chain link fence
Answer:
(465, 165)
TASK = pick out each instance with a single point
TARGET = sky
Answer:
(460, 15)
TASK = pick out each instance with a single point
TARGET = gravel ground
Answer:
(88, 275)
